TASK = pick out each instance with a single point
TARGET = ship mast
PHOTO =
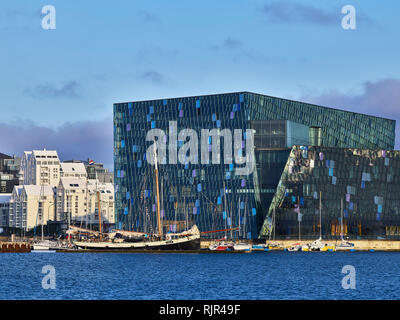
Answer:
(238, 235)
(341, 218)
(99, 213)
(274, 222)
(320, 215)
(225, 206)
(160, 231)
(298, 215)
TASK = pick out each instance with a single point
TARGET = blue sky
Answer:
(57, 87)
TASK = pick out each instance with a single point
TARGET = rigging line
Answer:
(139, 198)
(201, 194)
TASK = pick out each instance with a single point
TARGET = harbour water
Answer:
(269, 275)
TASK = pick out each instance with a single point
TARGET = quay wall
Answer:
(15, 247)
(378, 245)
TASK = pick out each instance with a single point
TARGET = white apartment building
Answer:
(31, 206)
(105, 192)
(73, 170)
(40, 167)
(50, 190)
(77, 201)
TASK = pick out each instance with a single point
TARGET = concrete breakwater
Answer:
(15, 247)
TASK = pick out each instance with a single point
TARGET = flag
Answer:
(91, 162)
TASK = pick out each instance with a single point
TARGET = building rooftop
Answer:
(45, 154)
(33, 190)
(72, 183)
(73, 167)
(95, 184)
(259, 94)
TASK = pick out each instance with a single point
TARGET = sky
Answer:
(57, 87)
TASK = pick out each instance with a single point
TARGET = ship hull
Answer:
(189, 243)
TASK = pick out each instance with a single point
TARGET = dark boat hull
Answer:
(189, 245)
(193, 244)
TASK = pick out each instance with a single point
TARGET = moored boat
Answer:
(127, 240)
(220, 245)
(242, 246)
(259, 247)
(40, 247)
(344, 246)
(189, 240)
(295, 247)
(273, 246)
(51, 245)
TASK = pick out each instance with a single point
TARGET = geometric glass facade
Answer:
(362, 186)
(213, 195)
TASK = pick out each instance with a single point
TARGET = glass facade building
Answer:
(218, 196)
(362, 187)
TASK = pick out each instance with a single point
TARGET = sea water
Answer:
(258, 275)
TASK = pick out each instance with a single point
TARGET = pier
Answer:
(17, 247)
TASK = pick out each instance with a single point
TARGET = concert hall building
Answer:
(294, 152)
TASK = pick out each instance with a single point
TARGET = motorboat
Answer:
(259, 247)
(273, 246)
(51, 245)
(221, 246)
(242, 246)
(295, 247)
(344, 246)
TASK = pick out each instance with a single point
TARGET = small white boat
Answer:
(242, 246)
(345, 246)
(45, 245)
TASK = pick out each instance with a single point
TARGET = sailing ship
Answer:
(318, 245)
(297, 246)
(42, 245)
(224, 244)
(237, 245)
(343, 245)
(131, 240)
(273, 245)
